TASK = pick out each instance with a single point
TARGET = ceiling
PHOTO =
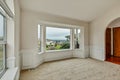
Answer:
(85, 10)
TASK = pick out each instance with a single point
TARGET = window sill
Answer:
(49, 51)
(77, 49)
(10, 74)
(58, 50)
(40, 52)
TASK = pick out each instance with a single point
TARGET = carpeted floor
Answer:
(74, 69)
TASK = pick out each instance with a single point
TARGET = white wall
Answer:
(28, 38)
(17, 32)
(57, 55)
(97, 32)
(31, 58)
(17, 37)
(115, 23)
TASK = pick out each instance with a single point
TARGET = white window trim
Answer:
(6, 8)
(45, 38)
(10, 74)
(44, 24)
(75, 41)
(59, 25)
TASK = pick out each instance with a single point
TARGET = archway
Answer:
(112, 41)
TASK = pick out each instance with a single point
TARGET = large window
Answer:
(5, 15)
(2, 43)
(57, 38)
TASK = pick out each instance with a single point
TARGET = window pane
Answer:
(2, 42)
(57, 38)
(77, 38)
(39, 37)
(1, 58)
(1, 27)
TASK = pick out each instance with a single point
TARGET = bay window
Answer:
(51, 38)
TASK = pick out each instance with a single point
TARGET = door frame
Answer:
(107, 48)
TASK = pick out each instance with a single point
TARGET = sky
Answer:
(55, 33)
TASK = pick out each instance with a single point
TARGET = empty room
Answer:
(59, 39)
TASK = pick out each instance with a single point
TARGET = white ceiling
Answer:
(85, 10)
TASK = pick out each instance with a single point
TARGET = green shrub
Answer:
(65, 46)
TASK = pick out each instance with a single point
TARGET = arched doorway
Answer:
(112, 42)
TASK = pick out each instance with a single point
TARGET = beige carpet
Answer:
(74, 69)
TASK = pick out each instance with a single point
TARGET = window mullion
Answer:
(3, 42)
(5, 30)
(4, 55)
(72, 39)
(43, 38)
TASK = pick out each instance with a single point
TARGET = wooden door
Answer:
(116, 41)
(108, 42)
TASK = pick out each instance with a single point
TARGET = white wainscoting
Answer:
(10, 62)
(57, 55)
(97, 52)
(79, 53)
(31, 57)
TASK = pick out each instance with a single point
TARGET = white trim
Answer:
(53, 24)
(71, 38)
(58, 50)
(2, 42)
(111, 41)
(40, 52)
(10, 74)
(30, 58)
(6, 8)
(43, 36)
(45, 24)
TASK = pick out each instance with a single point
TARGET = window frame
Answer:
(45, 24)
(78, 37)
(40, 35)
(61, 27)
(3, 41)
